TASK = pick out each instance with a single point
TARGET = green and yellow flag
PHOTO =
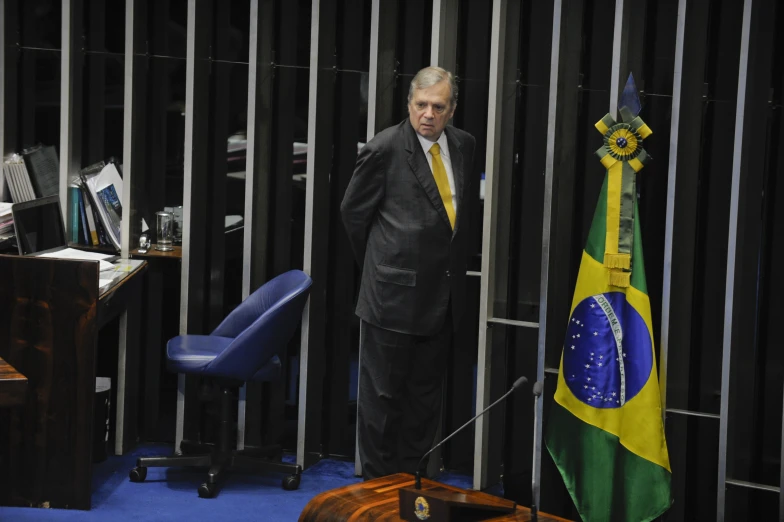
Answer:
(605, 430)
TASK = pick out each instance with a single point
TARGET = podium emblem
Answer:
(421, 508)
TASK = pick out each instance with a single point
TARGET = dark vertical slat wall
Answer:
(350, 129)
(257, 201)
(746, 459)
(534, 130)
(220, 101)
(686, 435)
(196, 197)
(709, 87)
(289, 123)
(472, 70)
(386, 68)
(305, 143)
(482, 202)
(94, 82)
(413, 50)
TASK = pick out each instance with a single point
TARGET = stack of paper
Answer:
(72, 253)
(6, 219)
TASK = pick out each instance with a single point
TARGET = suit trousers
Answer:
(399, 402)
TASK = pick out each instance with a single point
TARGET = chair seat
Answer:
(193, 353)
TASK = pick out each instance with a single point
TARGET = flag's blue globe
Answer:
(607, 353)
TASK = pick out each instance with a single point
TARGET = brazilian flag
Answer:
(605, 430)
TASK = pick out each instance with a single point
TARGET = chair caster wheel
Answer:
(291, 482)
(138, 474)
(207, 490)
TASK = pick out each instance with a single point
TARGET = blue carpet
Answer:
(169, 494)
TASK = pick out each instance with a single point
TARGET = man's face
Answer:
(429, 110)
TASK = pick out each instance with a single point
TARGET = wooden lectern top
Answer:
(377, 500)
(13, 385)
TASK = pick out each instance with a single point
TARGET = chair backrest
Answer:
(262, 325)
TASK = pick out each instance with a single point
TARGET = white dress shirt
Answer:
(442, 142)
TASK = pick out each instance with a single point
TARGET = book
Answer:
(44, 168)
(74, 216)
(85, 234)
(104, 188)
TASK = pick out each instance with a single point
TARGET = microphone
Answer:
(418, 479)
(538, 387)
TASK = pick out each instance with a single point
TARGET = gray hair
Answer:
(430, 76)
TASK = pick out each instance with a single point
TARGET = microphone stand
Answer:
(537, 392)
(417, 476)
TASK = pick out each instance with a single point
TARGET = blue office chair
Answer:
(246, 347)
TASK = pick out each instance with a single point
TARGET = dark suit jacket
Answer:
(412, 261)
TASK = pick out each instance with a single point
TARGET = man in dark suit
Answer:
(403, 213)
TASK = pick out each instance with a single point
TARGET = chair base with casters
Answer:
(221, 458)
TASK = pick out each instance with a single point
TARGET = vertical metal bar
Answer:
(443, 46)
(733, 256)
(179, 429)
(250, 163)
(308, 254)
(258, 158)
(781, 471)
(190, 66)
(320, 120)
(487, 283)
(257, 165)
(194, 186)
(190, 60)
(70, 99)
(125, 229)
(66, 101)
(677, 89)
(559, 194)
(128, 128)
(373, 72)
(620, 49)
(3, 38)
(544, 283)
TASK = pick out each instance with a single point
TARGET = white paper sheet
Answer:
(72, 253)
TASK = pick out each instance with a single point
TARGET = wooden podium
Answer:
(380, 500)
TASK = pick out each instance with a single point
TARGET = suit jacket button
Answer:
(447, 273)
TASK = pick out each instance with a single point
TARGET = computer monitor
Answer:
(39, 226)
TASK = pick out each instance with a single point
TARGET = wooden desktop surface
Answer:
(377, 500)
(158, 254)
(13, 385)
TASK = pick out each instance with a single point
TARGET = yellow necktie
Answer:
(442, 182)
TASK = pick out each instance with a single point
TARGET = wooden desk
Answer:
(377, 500)
(50, 316)
(13, 385)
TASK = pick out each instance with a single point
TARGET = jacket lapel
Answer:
(418, 163)
(456, 158)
